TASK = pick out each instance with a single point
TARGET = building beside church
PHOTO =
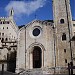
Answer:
(44, 45)
(8, 38)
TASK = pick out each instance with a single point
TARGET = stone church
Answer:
(44, 45)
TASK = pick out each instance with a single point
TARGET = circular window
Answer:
(36, 32)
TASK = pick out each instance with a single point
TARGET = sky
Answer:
(26, 11)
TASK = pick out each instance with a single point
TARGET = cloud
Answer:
(23, 7)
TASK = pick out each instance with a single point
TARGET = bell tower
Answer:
(63, 29)
(11, 13)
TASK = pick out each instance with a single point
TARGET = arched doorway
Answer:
(11, 61)
(37, 57)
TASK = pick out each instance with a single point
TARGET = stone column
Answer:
(31, 60)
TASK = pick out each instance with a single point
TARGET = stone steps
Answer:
(28, 73)
(45, 71)
(37, 72)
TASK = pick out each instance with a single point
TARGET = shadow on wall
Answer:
(11, 61)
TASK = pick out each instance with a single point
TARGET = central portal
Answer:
(37, 57)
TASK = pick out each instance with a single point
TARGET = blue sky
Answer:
(25, 10)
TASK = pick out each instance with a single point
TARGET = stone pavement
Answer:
(7, 73)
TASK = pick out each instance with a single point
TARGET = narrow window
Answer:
(0, 22)
(2, 40)
(74, 41)
(2, 34)
(6, 39)
(62, 21)
(63, 37)
(11, 12)
(7, 27)
(3, 27)
(3, 22)
(65, 60)
(65, 50)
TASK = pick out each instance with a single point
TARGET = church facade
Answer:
(45, 45)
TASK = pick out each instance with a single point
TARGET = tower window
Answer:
(11, 12)
(65, 60)
(65, 50)
(62, 21)
(63, 37)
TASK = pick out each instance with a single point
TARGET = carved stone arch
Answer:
(30, 48)
(30, 54)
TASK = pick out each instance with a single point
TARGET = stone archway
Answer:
(37, 57)
(29, 58)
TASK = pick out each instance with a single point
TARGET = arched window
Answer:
(2, 34)
(63, 37)
(7, 27)
(3, 22)
(62, 21)
(64, 50)
(6, 39)
(65, 60)
(3, 27)
(2, 40)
